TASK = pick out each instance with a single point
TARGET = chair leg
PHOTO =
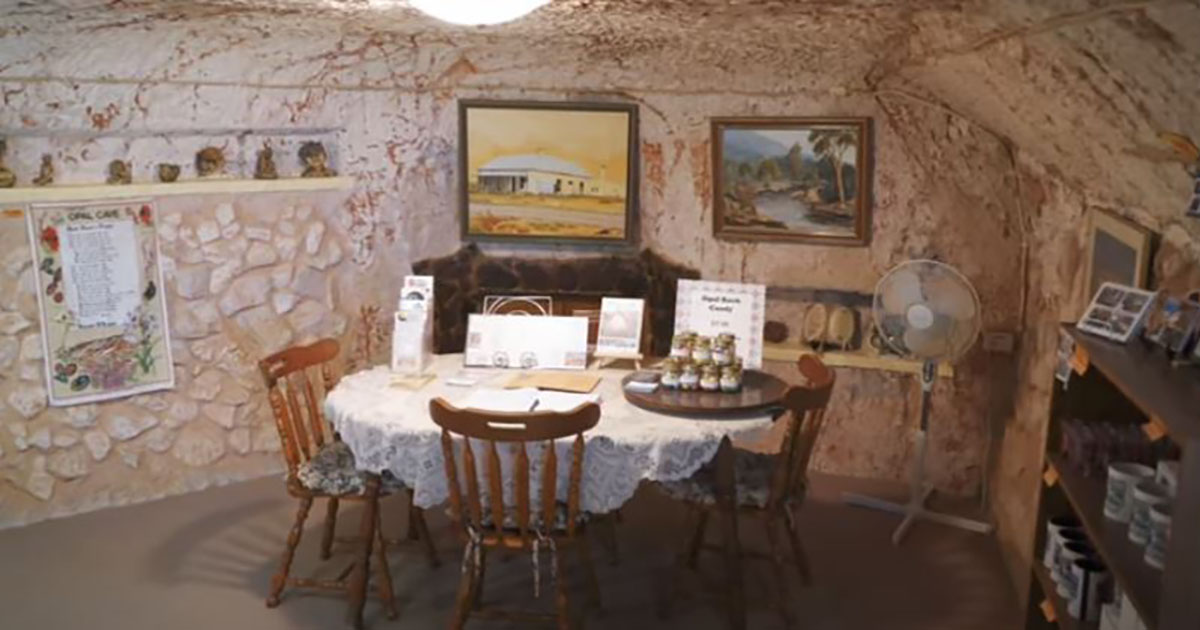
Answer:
(410, 530)
(417, 517)
(609, 537)
(357, 589)
(776, 558)
(331, 510)
(386, 592)
(480, 576)
(693, 551)
(466, 591)
(561, 604)
(798, 549)
(735, 588)
(585, 558)
(279, 580)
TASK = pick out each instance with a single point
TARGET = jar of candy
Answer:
(726, 339)
(702, 349)
(731, 379)
(689, 377)
(722, 353)
(710, 378)
(681, 347)
(670, 374)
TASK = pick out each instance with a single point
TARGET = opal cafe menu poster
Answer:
(99, 285)
(712, 308)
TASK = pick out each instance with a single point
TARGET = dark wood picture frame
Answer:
(632, 183)
(754, 226)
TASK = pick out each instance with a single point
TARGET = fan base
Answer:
(913, 510)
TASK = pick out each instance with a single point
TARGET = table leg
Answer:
(727, 514)
(357, 599)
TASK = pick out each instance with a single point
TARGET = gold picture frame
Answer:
(803, 180)
(1118, 251)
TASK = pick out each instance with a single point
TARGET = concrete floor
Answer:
(203, 561)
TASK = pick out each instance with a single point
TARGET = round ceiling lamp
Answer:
(476, 12)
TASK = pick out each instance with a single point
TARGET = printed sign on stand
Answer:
(712, 308)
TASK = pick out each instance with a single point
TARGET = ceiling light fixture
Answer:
(476, 12)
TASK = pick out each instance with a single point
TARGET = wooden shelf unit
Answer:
(1126, 383)
(216, 186)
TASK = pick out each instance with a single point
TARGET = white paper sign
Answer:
(100, 265)
(412, 332)
(712, 308)
(620, 330)
(526, 342)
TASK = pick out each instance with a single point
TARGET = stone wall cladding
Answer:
(215, 426)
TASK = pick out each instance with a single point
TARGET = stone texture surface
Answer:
(997, 125)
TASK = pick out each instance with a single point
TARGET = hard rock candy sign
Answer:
(99, 285)
(712, 308)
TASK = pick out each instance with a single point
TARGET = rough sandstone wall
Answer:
(997, 125)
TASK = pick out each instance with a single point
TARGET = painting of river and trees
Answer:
(794, 179)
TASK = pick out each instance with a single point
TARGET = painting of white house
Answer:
(547, 171)
(796, 179)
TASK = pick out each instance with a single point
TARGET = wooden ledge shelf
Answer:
(1140, 581)
(85, 192)
(861, 360)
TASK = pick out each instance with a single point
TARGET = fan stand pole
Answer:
(919, 490)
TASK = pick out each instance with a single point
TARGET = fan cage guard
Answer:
(876, 313)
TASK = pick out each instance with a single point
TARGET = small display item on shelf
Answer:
(710, 377)
(1063, 538)
(702, 349)
(45, 172)
(1146, 493)
(1118, 498)
(689, 377)
(168, 173)
(1054, 526)
(1117, 312)
(1092, 579)
(1072, 551)
(670, 373)
(1160, 533)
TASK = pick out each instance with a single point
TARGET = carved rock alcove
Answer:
(463, 279)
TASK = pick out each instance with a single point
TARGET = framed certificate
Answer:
(712, 308)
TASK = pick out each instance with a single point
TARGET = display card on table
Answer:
(526, 341)
(712, 308)
(104, 322)
(620, 332)
(412, 332)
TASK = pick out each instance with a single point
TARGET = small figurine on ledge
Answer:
(167, 172)
(46, 174)
(315, 160)
(119, 172)
(7, 178)
(210, 162)
(264, 166)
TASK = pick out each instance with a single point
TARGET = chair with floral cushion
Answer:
(321, 466)
(771, 486)
(519, 524)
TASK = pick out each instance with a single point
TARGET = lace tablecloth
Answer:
(389, 429)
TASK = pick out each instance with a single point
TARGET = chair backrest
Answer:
(295, 402)
(518, 430)
(539, 305)
(806, 413)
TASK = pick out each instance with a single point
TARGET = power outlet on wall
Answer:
(999, 341)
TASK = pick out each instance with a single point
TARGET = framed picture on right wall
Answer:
(1118, 251)
(804, 180)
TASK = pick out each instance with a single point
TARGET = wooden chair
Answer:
(768, 486)
(320, 466)
(488, 523)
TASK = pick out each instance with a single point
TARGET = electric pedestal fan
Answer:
(925, 310)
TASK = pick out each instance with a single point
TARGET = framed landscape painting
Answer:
(536, 171)
(792, 179)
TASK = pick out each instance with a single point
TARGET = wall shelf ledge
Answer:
(86, 192)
